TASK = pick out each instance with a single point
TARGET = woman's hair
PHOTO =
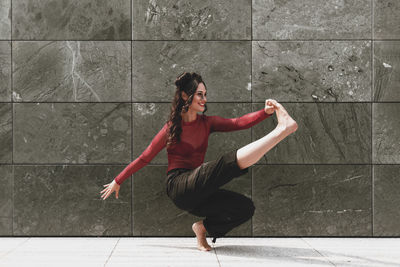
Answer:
(188, 83)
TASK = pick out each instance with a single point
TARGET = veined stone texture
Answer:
(72, 133)
(387, 19)
(191, 20)
(386, 133)
(224, 66)
(6, 199)
(5, 19)
(387, 71)
(71, 71)
(311, 19)
(302, 200)
(59, 200)
(328, 71)
(386, 197)
(71, 20)
(5, 71)
(6, 138)
(335, 133)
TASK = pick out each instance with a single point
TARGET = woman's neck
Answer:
(189, 116)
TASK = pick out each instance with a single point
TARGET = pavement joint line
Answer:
(112, 251)
(215, 251)
(305, 241)
(15, 248)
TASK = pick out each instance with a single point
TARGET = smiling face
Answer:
(199, 98)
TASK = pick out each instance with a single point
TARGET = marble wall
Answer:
(85, 86)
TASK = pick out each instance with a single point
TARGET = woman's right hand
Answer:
(270, 106)
(111, 187)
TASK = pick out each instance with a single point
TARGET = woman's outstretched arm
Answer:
(156, 145)
(220, 124)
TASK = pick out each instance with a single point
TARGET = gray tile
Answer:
(191, 20)
(73, 19)
(386, 200)
(311, 19)
(386, 19)
(95, 71)
(327, 133)
(386, 126)
(387, 70)
(5, 71)
(5, 19)
(322, 200)
(5, 225)
(72, 133)
(65, 200)
(322, 71)
(6, 200)
(6, 140)
(224, 66)
(154, 214)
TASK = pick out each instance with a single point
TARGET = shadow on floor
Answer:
(288, 254)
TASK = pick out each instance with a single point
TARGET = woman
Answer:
(193, 185)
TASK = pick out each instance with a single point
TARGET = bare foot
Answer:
(285, 122)
(200, 231)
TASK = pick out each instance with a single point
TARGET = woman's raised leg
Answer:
(251, 153)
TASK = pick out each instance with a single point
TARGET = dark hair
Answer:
(188, 83)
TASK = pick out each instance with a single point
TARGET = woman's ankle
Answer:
(287, 128)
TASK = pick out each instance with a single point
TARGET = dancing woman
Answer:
(194, 185)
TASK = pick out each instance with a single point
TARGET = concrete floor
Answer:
(178, 251)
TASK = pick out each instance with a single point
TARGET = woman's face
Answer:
(199, 98)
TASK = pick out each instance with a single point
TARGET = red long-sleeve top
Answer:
(190, 151)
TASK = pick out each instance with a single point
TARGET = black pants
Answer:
(197, 191)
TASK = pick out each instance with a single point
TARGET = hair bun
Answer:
(183, 79)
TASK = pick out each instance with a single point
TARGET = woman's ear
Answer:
(184, 95)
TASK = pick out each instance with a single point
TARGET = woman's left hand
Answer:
(111, 187)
